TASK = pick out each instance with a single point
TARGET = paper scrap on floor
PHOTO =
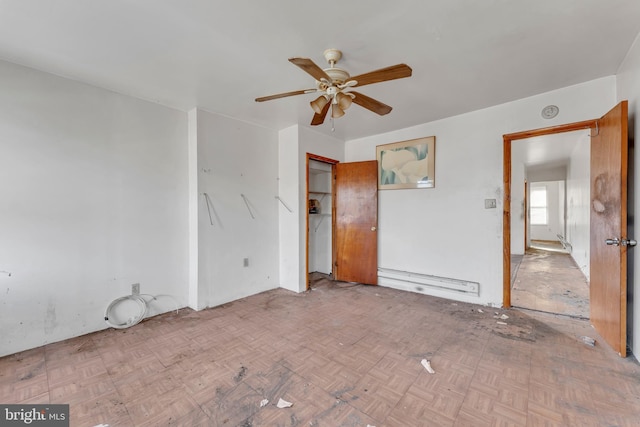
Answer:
(427, 366)
(284, 404)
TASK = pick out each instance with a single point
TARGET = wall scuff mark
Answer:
(50, 322)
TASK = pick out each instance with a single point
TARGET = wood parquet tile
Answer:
(345, 355)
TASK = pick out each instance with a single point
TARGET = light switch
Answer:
(489, 203)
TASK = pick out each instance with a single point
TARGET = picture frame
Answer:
(407, 164)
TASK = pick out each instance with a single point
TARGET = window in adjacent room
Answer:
(538, 205)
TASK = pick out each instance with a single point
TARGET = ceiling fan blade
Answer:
(393, 72)
(285, 94)
(318, 119)
(371, 104)
(311, 68)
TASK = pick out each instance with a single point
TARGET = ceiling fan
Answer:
(332, 84)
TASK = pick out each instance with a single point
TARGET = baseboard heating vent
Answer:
(566, 245)
(417, 282)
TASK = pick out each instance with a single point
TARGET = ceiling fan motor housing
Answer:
(338, 75)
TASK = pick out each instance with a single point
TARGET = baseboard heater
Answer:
(417, 282)
(566, 245)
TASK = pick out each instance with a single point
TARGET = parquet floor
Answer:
(344, 355)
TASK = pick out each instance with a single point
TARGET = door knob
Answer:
(373, 228)
(613, 242)
(617, 242)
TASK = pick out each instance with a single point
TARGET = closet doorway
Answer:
(320, 212)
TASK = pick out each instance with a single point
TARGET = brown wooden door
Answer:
(608, 266)
(356, 222)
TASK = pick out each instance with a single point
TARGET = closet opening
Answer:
(320, 214)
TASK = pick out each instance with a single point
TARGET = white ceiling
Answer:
(219, 55)
(547, 151)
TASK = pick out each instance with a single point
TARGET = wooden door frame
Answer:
(526, 216)
(506, 213)
(333, 163)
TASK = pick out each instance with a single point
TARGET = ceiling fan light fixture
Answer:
(319, 103)
(344, 101)
(336, 111)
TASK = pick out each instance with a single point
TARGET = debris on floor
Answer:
(427, 366)
(241, 374)
(588, 341)
(501, 323)
(284, 404)
(264, 402)
(504, 317)
(480, 310)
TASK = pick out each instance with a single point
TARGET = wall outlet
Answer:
(135, 289)
(245, 262)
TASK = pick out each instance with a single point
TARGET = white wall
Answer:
(294, 143)
(628, 87)
(555, 211)
(236, 159)
(578, 199)
(518, 209)
(93, 199)
(449, 224)
(291, 232)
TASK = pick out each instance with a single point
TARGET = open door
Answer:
(608, 227)
(356, 222)
(608, 265)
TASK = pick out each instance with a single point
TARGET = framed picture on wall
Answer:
(407, 164)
